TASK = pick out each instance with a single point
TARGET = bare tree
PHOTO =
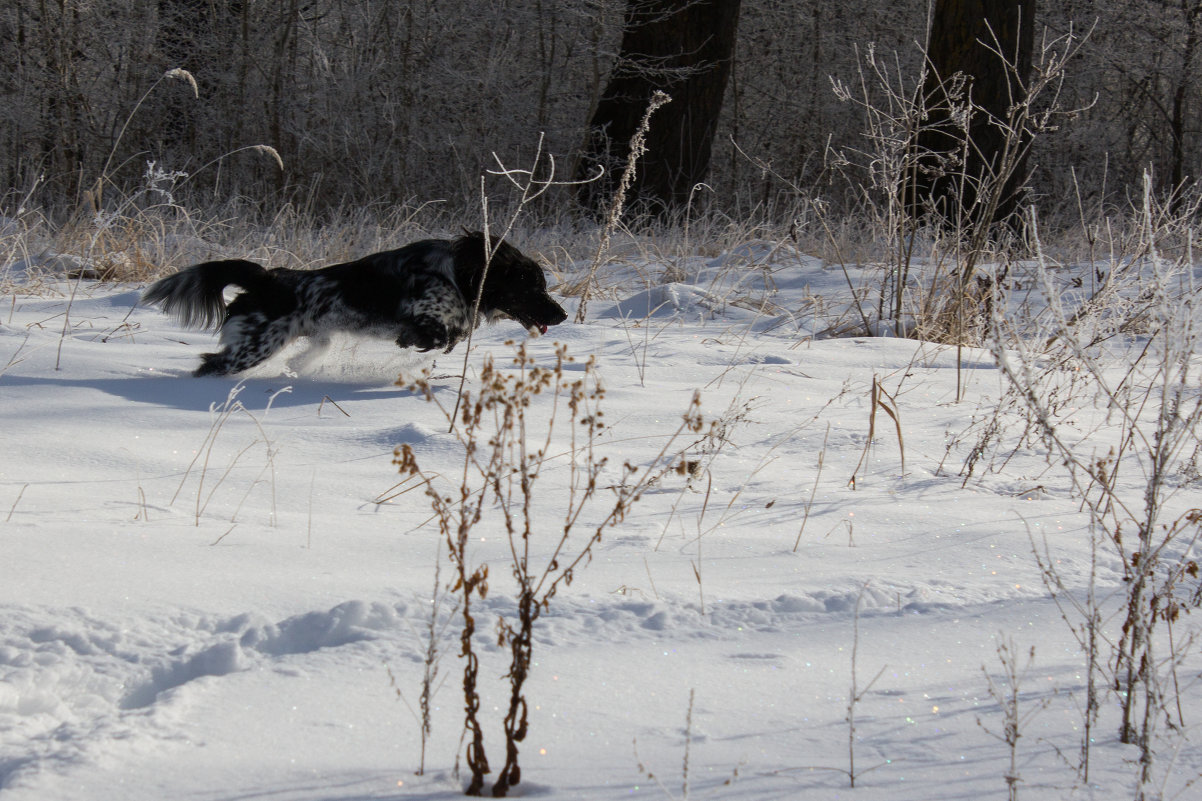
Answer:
(684, 48)
(979, 60)
(1191, 11)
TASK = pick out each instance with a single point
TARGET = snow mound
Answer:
(665, 301)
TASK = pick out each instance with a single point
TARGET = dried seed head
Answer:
(184, 75)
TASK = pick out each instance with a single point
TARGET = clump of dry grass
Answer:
(508, 440)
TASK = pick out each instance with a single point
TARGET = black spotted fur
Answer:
(420, 296)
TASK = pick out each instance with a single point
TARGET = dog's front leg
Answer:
(427, 333)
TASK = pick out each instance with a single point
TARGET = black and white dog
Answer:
(421, 296)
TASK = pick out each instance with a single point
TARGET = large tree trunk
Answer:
(683, 47)
(989, 44)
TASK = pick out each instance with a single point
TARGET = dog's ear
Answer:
(477, 236)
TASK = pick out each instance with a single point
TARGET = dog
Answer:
(421, 296)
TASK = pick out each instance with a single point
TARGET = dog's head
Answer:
(515, 286)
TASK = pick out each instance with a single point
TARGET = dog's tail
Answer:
(195, 296)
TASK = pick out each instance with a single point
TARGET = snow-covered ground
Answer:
(210, 590)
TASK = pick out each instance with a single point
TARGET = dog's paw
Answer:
(434, 334)
(426, 344)
(422, 340)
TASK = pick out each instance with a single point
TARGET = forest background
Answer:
(369, 102)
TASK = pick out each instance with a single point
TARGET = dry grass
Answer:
(155, 234)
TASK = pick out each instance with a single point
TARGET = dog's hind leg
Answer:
(249, 340)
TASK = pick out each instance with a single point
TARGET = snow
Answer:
(212, 588)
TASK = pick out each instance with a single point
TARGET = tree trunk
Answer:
(682, 47)
(987, 43)
(1177, 176)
